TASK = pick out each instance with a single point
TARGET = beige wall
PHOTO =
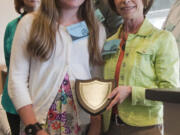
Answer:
(7, 13)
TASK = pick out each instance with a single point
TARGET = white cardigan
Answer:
(32, 81)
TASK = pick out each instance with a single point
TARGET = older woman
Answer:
(22, 7)
(146, 58)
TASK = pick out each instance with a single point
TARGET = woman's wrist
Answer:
(129, 89)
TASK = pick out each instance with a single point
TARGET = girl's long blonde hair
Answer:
(42, 39)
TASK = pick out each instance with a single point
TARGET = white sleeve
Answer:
(20, 65)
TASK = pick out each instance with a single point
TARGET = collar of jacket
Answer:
(145, 30)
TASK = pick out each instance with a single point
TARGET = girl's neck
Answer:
(132, 25)
(68, 17)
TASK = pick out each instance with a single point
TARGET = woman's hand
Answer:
(42, 132)
(120, 93)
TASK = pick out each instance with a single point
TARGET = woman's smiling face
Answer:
(129, 9)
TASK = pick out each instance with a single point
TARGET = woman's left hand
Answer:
(120, 93)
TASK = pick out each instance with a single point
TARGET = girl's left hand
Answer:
(120, 93)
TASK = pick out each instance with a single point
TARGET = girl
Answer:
(51, 49)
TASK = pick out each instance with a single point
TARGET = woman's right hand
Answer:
(118, 95)
(42, 132)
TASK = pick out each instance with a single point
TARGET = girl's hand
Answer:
(120, 93)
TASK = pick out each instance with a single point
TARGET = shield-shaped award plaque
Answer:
(92, 94)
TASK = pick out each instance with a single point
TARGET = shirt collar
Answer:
(145, 30)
